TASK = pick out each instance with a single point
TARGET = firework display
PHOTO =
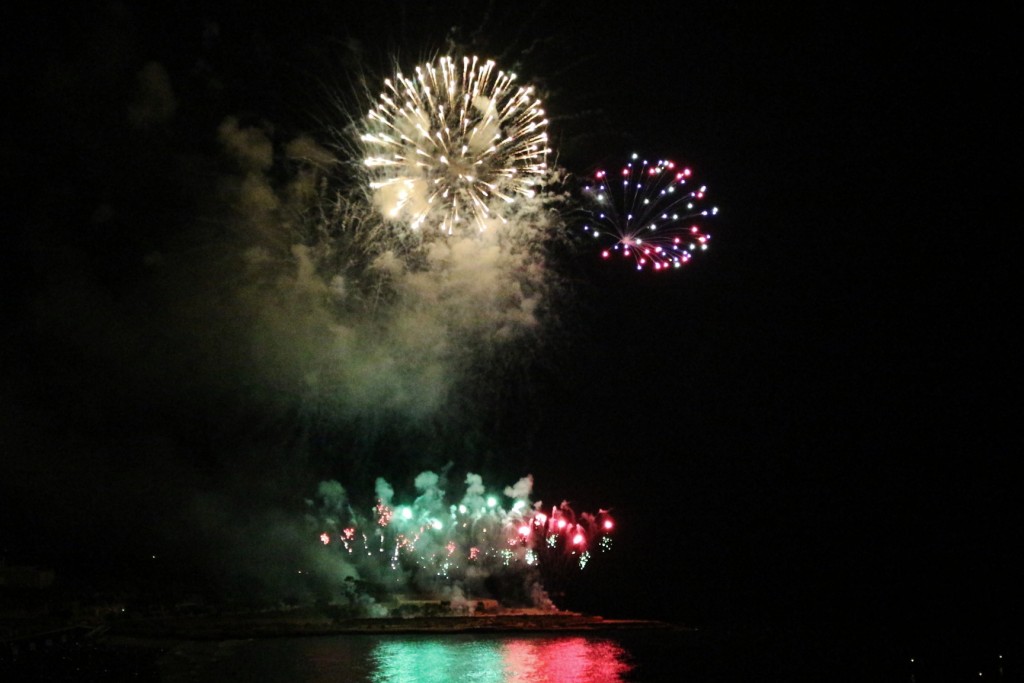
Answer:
(429, 542)
(450, 145)
(455, 149)
(650, 212)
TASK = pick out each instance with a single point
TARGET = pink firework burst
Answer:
(651, 213)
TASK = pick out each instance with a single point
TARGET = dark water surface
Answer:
(406, 658)
(632, 655)
(647, 656)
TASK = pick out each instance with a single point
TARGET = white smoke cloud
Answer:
(522, 489)
(384, 491)
(154, 102)
(305, 148)
(249, 146)
(364, 321)
(474, 498)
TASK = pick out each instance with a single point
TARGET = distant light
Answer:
(491, 501)
(463, 509)
(406, 513)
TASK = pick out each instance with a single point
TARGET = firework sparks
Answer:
(429, 540)
(453, 143)
(649, 212)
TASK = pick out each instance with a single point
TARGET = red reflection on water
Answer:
(564, 660)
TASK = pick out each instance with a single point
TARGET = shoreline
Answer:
(240, 627)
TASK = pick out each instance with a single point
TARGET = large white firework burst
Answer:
(453, 144)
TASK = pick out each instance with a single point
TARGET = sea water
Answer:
(641, 655)
(422, 658)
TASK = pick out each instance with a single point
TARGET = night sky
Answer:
(812, 423)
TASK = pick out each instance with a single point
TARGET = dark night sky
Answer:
(815, 421)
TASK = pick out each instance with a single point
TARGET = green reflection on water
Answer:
(438, 661)
(499, 660)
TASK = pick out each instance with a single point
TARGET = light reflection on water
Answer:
(409, 658)
(505, 660)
